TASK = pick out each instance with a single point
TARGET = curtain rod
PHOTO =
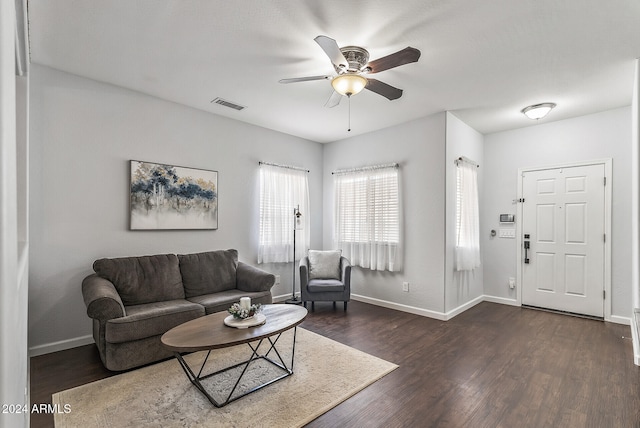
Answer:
(283, 166)
(366, 168)
(467, 160)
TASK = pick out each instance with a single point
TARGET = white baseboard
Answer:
(283, 297)
(419, 311)
(62, 345)
(400, 307)
(619, 320)
(460, 309)
(501, 300)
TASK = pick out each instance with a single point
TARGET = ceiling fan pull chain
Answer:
(349, 97)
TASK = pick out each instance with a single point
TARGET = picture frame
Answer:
(170, 197)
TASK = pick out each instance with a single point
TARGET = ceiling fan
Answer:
(352, 66)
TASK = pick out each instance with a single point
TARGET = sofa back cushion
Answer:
(144, 279)
(210, 272)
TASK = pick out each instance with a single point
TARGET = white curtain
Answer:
(467, 252)
(282, 190)
(367, 217)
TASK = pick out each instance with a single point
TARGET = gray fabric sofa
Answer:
(133, 301)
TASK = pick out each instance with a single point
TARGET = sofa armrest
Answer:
(346, 273)
(250, 278)
(101, 298)
(304, 272)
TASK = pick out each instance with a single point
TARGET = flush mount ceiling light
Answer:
(348, 84)
(537, 111)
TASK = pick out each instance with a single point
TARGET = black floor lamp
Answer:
(298, 224)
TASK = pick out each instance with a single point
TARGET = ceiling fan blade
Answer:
(383, 89)
(304, 79)
(333, 100)
(405, 56)
(330, 47)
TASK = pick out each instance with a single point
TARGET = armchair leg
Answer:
(345, 306)
(334, 304)
(313, 306)
(304, 303)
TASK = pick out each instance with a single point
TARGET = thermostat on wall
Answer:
(507, 218)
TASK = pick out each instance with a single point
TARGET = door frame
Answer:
(607, 163)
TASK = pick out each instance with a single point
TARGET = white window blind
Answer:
(367, 217)
(282, 189)
(467, 252)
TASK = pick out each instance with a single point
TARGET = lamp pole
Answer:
(296, 219)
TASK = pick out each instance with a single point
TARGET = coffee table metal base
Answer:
(197, 378)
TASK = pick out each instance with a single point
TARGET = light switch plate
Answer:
(507, 233)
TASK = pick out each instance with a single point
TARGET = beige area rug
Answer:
(325, 374)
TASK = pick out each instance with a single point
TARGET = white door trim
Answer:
(607, 163)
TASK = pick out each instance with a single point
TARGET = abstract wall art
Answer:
(168, 197)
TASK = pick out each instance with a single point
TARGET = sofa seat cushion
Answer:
(324, 285)
(210, 272)
(219, 302)
(146, 279)
(151, 319)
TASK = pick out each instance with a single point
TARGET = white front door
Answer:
(563, 225)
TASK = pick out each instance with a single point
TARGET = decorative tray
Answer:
(253, 321)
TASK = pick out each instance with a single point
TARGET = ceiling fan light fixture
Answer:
(537, 111)
(348, 84)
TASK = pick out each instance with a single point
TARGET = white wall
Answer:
(14, 364)
(461, 288)
(419, 148)
(83, 134)
(596, 136)
(635, 211)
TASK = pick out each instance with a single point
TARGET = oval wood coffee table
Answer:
(209, 332)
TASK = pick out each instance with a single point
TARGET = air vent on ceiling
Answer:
(226, 103)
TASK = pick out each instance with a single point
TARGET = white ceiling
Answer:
(482, 60)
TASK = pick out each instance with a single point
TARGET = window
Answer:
(467, 252)
(282, 189)
(367, 217)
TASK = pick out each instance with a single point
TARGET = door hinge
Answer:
(605, 181)
(604, 294)
(604, 237)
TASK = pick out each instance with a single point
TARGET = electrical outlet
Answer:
(277, 280)
(512, 282)
(405, 286)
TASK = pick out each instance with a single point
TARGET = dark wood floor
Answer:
(492, 366)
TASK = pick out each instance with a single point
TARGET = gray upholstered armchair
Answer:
(325, 276)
